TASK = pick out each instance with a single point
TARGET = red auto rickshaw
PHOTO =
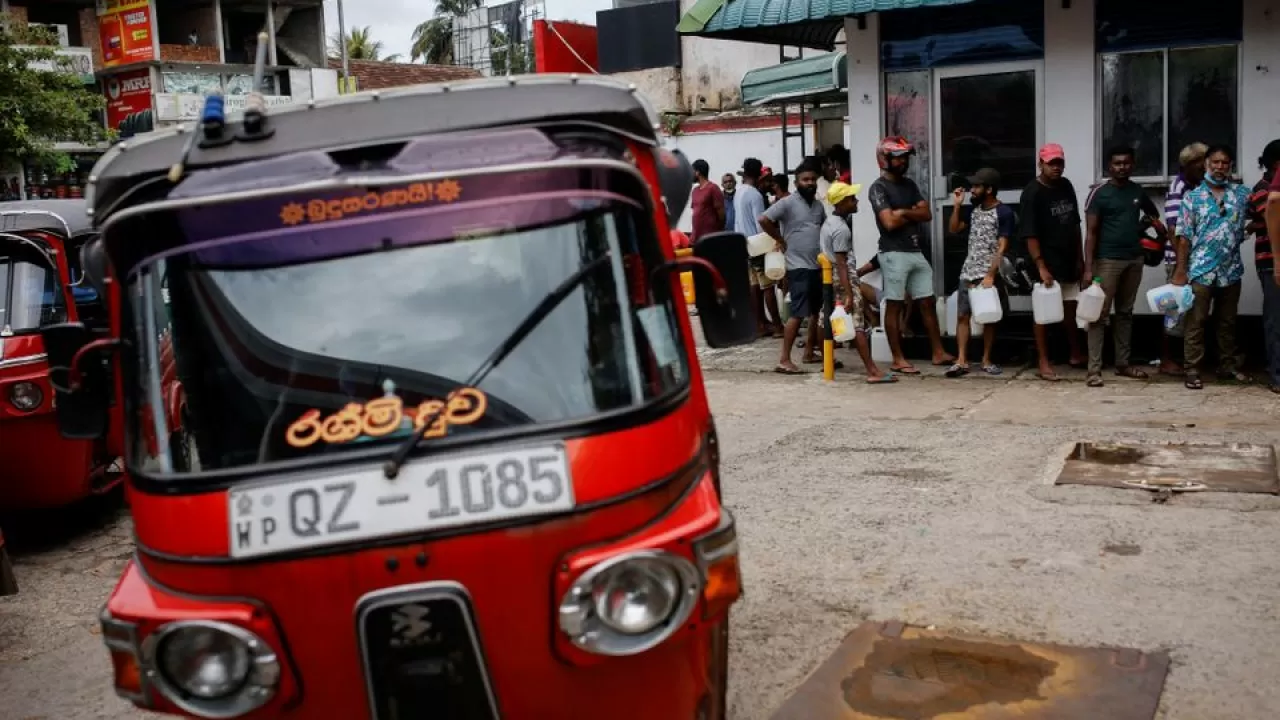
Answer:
(443, 447)
(41, 284)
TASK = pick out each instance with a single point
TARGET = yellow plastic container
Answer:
(686, 278)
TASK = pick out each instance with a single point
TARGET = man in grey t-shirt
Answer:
(795, 223)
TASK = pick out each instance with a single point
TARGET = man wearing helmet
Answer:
(901, 211)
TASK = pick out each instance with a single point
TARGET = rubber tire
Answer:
(8, 582)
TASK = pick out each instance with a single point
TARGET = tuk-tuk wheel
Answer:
(8, 582)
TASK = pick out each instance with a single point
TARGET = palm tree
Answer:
(433, 39)
(360, 46)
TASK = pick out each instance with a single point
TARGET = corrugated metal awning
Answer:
(796, 23)
(817, 79)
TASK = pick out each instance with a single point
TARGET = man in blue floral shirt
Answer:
(1210, 230)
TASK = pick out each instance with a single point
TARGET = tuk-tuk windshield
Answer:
(338, 331)
(30, 295)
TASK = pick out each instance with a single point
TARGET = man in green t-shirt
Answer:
(1113, 255)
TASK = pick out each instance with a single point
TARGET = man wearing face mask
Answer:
(901, 212)
(794, 222)
(1211, 227)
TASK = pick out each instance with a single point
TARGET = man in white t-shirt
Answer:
(836, 239)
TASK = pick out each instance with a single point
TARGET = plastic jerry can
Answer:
(1168, 299)
(784, 306)
(953, 316)
(880, 346)
(775, 265)
(841, 325)
(984, 303)
(760, 244)
(1046, 304)
(944, 315)
(1089, 305)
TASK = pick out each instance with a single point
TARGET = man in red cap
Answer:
(1050, 227)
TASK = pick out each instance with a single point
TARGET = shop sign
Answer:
(181, 107)
(127, 29)
(128, 95)
(76, 61)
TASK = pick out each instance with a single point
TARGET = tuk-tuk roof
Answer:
(28, 215)
(380, 116)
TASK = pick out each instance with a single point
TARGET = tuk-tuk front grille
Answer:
(422, 655)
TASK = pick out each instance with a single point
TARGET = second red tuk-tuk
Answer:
(41, 284)
(444, 448)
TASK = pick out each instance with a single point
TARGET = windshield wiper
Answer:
(526, 327)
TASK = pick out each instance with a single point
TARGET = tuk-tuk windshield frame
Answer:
(458, 289)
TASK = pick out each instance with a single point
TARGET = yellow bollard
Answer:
(686, 278)
(828, 306)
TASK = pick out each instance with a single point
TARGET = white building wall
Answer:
(1070, 75)
(866, 125)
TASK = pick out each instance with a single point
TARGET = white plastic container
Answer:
(841, 325)
(775, 265)
(984, 302)
(880, 346)
(758, 245)
(953, 317)
(1171, 299)
(784, 306)
(1089, 305)
(1046, 304)
(944, 315)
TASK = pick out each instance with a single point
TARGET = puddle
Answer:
(947, 676)
(1168, 468)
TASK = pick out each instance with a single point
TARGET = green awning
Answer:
(824, 78)
(794, 23)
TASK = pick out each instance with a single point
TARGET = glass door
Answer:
(983, 116)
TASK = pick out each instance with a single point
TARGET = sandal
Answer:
(906, 370)
(1193, 382)
(1095, 381)
(992, 370)
(956, 371)
(1133, 373)
(1049, 377)
(788, 371)
(886, 379)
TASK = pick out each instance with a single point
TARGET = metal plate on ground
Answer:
(1228, 467)
(891, 670)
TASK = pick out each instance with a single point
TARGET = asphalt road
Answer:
(927, 502)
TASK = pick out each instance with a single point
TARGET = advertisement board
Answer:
(127, 31)
(128, 99)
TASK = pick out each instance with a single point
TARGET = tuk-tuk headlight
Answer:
(211, 669)
(629, 603)
(26, 396)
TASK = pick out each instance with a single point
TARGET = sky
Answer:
(393, 21)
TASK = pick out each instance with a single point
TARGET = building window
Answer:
(1158, 101)
(982, 31)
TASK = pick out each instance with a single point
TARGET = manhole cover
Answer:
(890, 670)
(1165, 468)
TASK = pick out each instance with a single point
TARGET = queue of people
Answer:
(1198, 236)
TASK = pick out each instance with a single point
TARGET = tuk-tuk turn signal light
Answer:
(717, 553)
(127, 673)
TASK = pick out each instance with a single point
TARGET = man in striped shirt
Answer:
(1191, 164)
(1265, 261)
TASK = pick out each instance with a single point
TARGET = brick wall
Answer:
(375, 75)
(18, 15)
(89, 35)
(189, 53)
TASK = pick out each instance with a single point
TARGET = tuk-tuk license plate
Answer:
(429, 494)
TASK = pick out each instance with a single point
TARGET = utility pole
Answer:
(342, 36)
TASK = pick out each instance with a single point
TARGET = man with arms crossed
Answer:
(901, 211)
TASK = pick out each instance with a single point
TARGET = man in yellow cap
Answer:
(836, 239)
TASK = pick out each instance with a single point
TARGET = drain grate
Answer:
(890, 670)
(1174, 468)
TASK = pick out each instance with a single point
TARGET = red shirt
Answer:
(708, 210)
(679, 240)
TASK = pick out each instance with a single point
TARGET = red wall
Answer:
(552, 56)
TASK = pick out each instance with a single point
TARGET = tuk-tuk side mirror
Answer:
(675, 180)
(93, 265)
(81, 395)
(726, 320)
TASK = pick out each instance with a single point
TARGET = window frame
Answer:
(1164, 50)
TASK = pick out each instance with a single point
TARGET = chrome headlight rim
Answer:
(257, 689)
(587, 631)
(29, 389)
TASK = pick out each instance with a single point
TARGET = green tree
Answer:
(39, 107)
(433, 39)
(360, 46)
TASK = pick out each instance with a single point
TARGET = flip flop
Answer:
(1193, 382)
(1132, 373)
(1050, 377)
(907, 370)
(1095, 381)
(956, 371)
(888, 379)
(992, 370)
(788, 371)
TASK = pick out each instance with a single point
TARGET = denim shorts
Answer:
(906, 273)
(805, 287)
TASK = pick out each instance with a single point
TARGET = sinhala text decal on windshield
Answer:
(387, 415)
(328, 210)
